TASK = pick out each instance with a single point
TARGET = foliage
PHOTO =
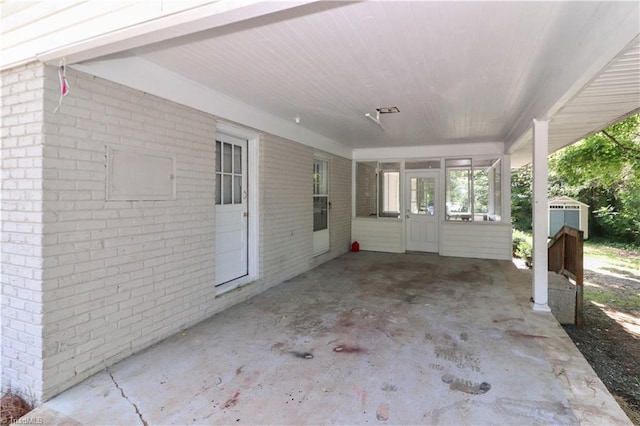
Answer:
(13, 406)
(522, 246)
(602, 171)
(458, 191)
(521, 196)
(481, 191)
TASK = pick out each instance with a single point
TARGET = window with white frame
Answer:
(473, 189)
(320, 195)
(377, 189)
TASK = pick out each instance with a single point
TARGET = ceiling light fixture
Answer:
(375, 119)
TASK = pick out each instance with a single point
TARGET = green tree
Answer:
(521, 196)
(602, 171)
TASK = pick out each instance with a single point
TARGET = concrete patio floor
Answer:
(366, 338)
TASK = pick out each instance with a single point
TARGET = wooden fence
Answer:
(566, 258)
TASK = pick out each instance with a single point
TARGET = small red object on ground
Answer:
(355, 246)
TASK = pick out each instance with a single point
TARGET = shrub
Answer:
(522, 247)
(12, 407)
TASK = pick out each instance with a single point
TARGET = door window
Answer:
(320, 195)
(422, 195)
(228, 173)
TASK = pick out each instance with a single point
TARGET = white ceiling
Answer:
(458, 71)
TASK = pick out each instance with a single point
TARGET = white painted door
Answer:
(231, 210)
(422, 211)
(320, 206)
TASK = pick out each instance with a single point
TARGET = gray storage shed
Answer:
(570, 212)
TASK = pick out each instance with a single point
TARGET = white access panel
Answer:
(134, 174)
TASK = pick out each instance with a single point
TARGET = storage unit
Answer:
(570, 212)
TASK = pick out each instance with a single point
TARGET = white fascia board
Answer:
(148, 77)
(429, 151)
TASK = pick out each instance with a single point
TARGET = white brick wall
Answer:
(118, 276)
(340, 212)
(21, 199)
(287, 210)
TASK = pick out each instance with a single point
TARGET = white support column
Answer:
(540, 216)
(506, 188)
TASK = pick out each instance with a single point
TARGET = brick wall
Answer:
(286, 196)
(286, 209)
(120, 275)
(114, 277)
(340, 212)
(21, 229)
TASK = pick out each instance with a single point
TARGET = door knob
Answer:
(245, 214)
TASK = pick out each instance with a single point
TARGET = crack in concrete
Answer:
(144, 422)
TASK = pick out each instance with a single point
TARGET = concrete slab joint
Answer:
(133, 404)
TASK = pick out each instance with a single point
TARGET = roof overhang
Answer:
(460, 73)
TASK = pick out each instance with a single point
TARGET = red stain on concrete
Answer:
(231, 402)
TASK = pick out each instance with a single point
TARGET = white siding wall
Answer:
(21, 233)
(378, 234)
(88, 282)
(483, 241)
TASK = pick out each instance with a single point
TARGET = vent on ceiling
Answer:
(379, 111)
(388, 110)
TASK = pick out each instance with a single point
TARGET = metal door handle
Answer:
(245, 214)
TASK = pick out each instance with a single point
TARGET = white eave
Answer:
(613, 94)
(461, 73)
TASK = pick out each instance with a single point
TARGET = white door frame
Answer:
(407, 199)
(253, 206)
